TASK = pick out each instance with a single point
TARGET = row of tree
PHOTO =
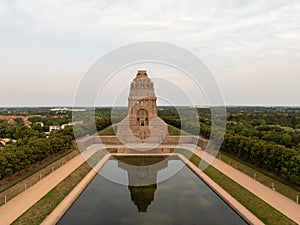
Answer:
(279, 159)
(286, 136)
(23, 153)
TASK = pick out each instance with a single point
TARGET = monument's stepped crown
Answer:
(141, 86)
(142, 125)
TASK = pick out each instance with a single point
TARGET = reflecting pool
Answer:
(182, 199)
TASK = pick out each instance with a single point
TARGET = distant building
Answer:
(4, 141)
(53, 128)
(201, 106)
(67, 109)
(11, 122)
(40, 123)
(70, 124)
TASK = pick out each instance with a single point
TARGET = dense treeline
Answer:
(29, 150)
(268, 124)
(103, 118)
(279, 159)
(266, 137)
(31, 145)
(17, 131)
(180, 117)
(278, 125)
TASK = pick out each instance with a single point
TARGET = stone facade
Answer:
(142, 125)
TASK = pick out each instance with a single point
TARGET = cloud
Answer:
(4, 8)
(179, 21)
(239, 40)
(271, 82)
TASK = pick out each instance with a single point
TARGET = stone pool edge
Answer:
(67, 202)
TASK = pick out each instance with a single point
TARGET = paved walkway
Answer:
(18, 205)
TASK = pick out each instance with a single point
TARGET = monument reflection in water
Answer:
(182, 199)
(142, 177)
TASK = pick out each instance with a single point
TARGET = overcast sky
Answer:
(251, 47)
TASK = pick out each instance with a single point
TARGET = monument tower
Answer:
(142, 125)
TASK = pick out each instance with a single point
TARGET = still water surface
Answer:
(182, 199)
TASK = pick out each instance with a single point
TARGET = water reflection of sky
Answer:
(112, 172)
(169, 171)
(182, 199)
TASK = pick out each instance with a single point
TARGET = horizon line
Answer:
(110, 106)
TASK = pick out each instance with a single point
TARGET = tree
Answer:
(19, 121)
(3, 165)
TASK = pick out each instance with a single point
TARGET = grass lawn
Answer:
(110, 130)
(175, 131)
(258, 207)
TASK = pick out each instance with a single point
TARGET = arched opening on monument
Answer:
(142, 118)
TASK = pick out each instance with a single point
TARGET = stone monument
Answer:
(142, 125)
